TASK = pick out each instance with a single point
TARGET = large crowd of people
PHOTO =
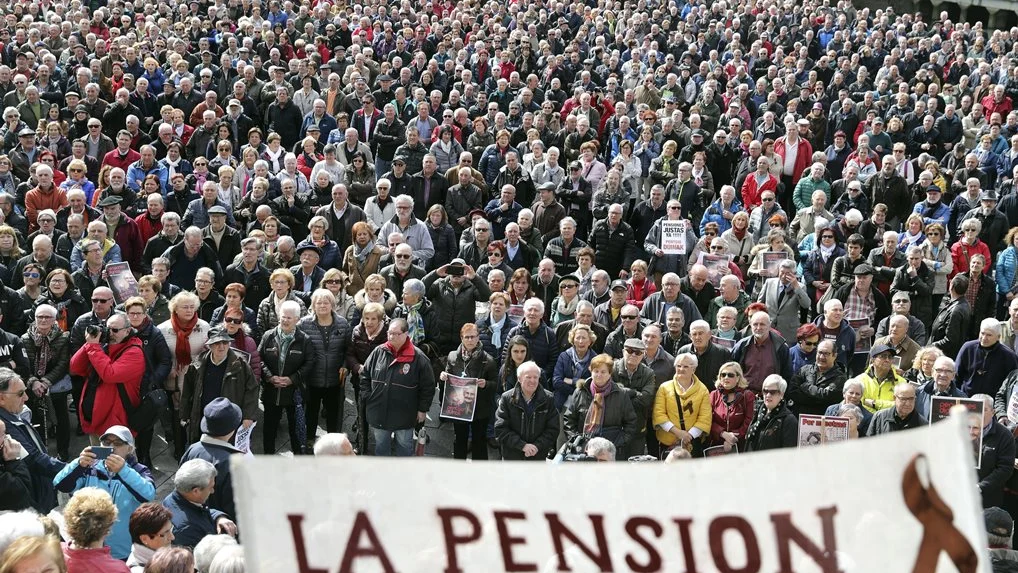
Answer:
(601, 229)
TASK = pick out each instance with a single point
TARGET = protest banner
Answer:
(122, 281)
(673, 237)
(771, 262)
(459, 398)
(820, 430)
(862, 343)
(717, 266)
(328, 515)
(940, 409)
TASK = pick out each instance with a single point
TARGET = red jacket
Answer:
(802, 161)
(113, 158)
(148, 228)
(636, 294)
(751, 192)
(1003, 107)
(961, 255)
(125, 364)
(735, 418)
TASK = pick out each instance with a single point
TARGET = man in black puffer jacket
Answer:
(613, 243)
(454, 297)
(526, 423)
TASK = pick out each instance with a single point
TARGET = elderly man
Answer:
(609, 313)
(402, 269)
(762, 353)
(639, 379)
(41, 467)
(193, 519)
(224, 240)
(526, 422)
(886, 260)
(915, 278)
(613, 242)
(998, 456)
(944, 371)
(45, 195)
(730, 294)
(656, 357)
(414, 231)
(818, 386)
(785, 298)
(833, 326)
(502, 210)
(564, 248)
(341, 216)
(629, 327)
(905, 349)
(399, 384)
(805, 219)
(585, 315)
(544, 348)
(901, 415)
(190, 255)
(984, 363)
(901, 305)
(42, 254)
(696, 285)
(880, 380)
(454, 289)
(220, 421)
(97, 231)
(655, 308)
(334, 444)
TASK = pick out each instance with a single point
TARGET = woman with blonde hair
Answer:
(37, 553)
(375, 291)
(335, 281)
(920, 372)
(732, 408)
(682, 414)
(89, 517)
(185, 333)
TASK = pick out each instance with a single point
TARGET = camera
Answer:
(93, 330)
(454, 270)
(574, 450)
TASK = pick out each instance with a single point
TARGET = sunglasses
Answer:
(634, 351)
(402, 256)
(629, 317)
(333, 282)
(116, 330)
(710, 234)
(767, 200)
(30, 275)
(728, 375)
(234, 320)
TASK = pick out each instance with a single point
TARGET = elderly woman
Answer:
(156, 305)
(335, 282)
(30, 553)
(318, 226)
(90, 516)
(852, 394)
(185, 335)
(446, 149)
(496, 261)
(804, 352)
(563, 307)
(362, 256)
(573, 364)
(239, 329)
(234, 295)
(601, 408)
(732, 406)
(526, 422)
(819, 261)
(63, 296)
(969, 244)
(639, 286)
(47, 348)
(920, 372)
(471, 361)
(682, 411)
(443, 237)
(288, 362)
(369, 332)
(128, 482)
(937, 256)
(328, 333)
(774, 425)
(172, 560)
(374, 291)
(281, 282)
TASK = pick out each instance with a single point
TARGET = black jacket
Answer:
(393, 393)
(483, 366)
(811, 392)
(887, 421)
(613, 249)
(15, 486)
(997, 464)
(329, 345)
(951, 326)
(772, 430)
(453, 309)
(518, 424)
(298, 365)
(618, 422)
(709, 363)
(41, 467)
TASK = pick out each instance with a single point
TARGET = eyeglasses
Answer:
(767, 199)
(333, 281)
(629, 317)
(94, 127)
(824, 353)
(568, 286)
(102, 300)
(234, 321)
(45, 317)
(826, 236)
(932, 234)
(480, 230)
(634, 351)
(905, 398)
(494, 254)
(402, 256)
(770, 392)
(710, 234)
(18, 394)
(111, 443)
(673, 208)
(76, 170)
(809, 343)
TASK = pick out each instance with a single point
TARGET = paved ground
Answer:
(440, 445)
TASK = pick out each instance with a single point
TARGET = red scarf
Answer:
(404, 355)
(739, 233)
(182, 353)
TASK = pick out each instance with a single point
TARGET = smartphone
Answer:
(101, 452)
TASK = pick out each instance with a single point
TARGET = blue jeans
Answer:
(381, 167)
(383, 442)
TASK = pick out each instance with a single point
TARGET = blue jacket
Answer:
(136, 174)
(190, 522)
(982, 371)
(845, 343)
(41, 466)
(1007, 266)
(941, 214)
(544, 349)
(569, 366)
(714, 213)
(130, 488)
(924, 397)
(217, 453)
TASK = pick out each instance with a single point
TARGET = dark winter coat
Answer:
(518, 423)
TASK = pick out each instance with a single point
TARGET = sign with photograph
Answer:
(717, 266)
(941, 408)
(459, 400)
(122, 281)
(328, 514)
(820, 430)
(771, 262)
(673, 237)
(862, 344)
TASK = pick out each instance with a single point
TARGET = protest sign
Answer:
(940, 409)
(771, 262)
(862, 343)
(459, 398)
(717, 266)
(673, 237)
(122, 281)
(819, 430)
(328, 515)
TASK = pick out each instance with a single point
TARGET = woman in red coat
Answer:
(122, 363)
(968, 245)
(732, 407)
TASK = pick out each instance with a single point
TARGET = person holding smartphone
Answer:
(112, 466)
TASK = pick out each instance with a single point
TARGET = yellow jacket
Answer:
(696, 410)
(881, 392)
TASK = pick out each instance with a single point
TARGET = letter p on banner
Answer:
(905, 502)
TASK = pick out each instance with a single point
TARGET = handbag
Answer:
(149, 410)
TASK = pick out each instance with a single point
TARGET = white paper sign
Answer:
(242, 441)
(673, 237)
(328, 515)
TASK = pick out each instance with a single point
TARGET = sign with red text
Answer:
(803, 510)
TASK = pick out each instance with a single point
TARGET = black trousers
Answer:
(473, 435)
(333, 399)
(273, 415)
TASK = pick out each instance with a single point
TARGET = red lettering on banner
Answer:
(687, 543)
(362, 526)
(298, 544)
(558, 530)
(715, 534)
(787, 533)
(452, 539)
(653, 563)
(507, 540)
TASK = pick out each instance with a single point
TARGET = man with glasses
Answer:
(98, 144)
(42, 468)
(943, 384)
(630, 327)
(406, 372)
(819, 385)
(760, 216)
(982, 364)
(901, 414)
(402, 268)
(414, 231)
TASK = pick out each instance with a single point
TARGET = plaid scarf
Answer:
(42, 351)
